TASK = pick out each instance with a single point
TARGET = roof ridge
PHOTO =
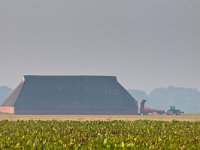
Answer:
(69, 76)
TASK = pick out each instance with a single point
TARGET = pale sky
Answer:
(145, 43)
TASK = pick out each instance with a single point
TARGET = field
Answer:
(140, 134)
(99, 132)
(185, 117)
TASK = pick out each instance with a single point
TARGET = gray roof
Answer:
(71, 95)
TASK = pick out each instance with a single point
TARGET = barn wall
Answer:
(8, 110)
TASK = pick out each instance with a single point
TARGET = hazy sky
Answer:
(145, 43)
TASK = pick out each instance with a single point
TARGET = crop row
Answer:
(99, 135)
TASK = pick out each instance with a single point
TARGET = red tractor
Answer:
(147, 110)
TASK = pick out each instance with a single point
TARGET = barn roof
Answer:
(71, 95)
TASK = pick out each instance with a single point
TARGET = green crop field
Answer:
(139, 134)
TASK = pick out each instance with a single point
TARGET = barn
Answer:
(70, 95)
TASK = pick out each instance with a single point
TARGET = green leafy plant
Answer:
(99, 135)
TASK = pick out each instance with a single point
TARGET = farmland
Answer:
(185, 117)
(112, 134)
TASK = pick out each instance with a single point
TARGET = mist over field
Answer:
(4, 93)
(186, 99)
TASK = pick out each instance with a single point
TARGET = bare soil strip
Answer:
(101, 117)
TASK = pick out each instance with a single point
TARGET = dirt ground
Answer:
(189, 117)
